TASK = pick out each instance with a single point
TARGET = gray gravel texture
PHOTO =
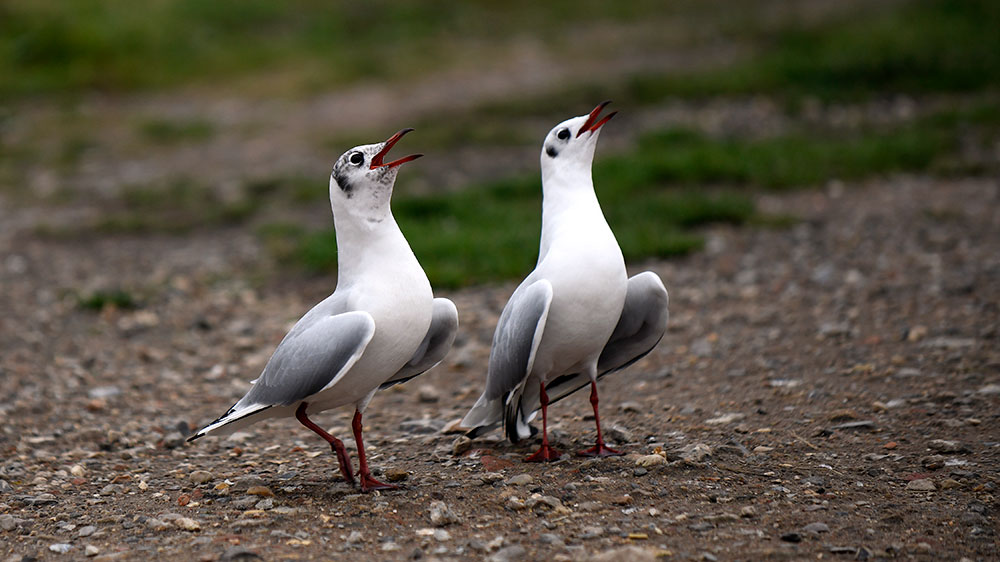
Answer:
(828, 390)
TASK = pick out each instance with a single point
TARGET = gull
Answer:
(380, 327)
(577, 316)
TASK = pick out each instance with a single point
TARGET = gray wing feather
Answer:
(437, 343)
(517, 336)
(312, 358)
(641, 326)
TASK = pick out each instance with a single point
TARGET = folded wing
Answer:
(515, 343)
(436, 344)
(312, 357)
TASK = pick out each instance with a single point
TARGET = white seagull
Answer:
(381, 326)
(577, 316)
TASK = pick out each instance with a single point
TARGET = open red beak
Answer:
(377, 160)
(590, 125)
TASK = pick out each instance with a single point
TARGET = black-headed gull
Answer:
(380, 327)
(577, 316)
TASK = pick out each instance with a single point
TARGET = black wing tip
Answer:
(201, 432)
(477, 431)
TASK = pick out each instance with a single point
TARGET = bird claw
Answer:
(369, 484)
(600, 450)
(545, 453)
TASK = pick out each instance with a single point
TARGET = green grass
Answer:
(925, 46)
(654, 196)
(166, 132)
(921, 47)
(181, 206)
(52, 47)
(489, 232)
(100, 300)
(55, 47)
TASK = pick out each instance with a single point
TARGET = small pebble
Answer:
(174, 439)
(791, 537)
(946, 446)
(239, 554)
(491, 477)
(187, 524)
(650, 460)
(157, 524)
(922, 485)
(520, 480)
(549, 538)
(441, 515)
(259, 491)
(619, 434)
(86, 531)
(816, 528)
(428, 394)
(201, 476)
(509, 554)
(91, 550)
(461, 445)
(394, 474)
(60, 548)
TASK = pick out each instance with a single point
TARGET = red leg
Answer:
(367, 482)
(545, 453)
(599, 450)
(336, 444)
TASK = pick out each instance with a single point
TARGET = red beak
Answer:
(377, 159)
(590, 125)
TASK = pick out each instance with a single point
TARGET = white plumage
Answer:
(577, 316)
(381, 326)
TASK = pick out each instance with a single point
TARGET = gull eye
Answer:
(357, 159)
(563, 134)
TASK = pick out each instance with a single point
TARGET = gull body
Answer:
(577, 316)
(381, 325)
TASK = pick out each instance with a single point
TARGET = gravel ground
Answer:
(830, 391)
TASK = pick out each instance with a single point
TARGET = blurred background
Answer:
(188, 123)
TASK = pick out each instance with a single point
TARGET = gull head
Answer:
(572, 142)
(361, 182)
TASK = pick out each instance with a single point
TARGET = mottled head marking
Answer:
(363, 177)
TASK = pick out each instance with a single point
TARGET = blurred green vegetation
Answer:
(655, 195)
(50, 46)
(924, 46)
(181, 206)
(165, 131)
(100, 300)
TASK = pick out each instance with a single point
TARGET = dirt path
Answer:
(831, 390)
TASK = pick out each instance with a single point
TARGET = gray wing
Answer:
(641, 326)
(311, 358)
(437, 343)
(516, 339)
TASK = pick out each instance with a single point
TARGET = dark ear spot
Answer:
(551, 151)
(345, 184)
